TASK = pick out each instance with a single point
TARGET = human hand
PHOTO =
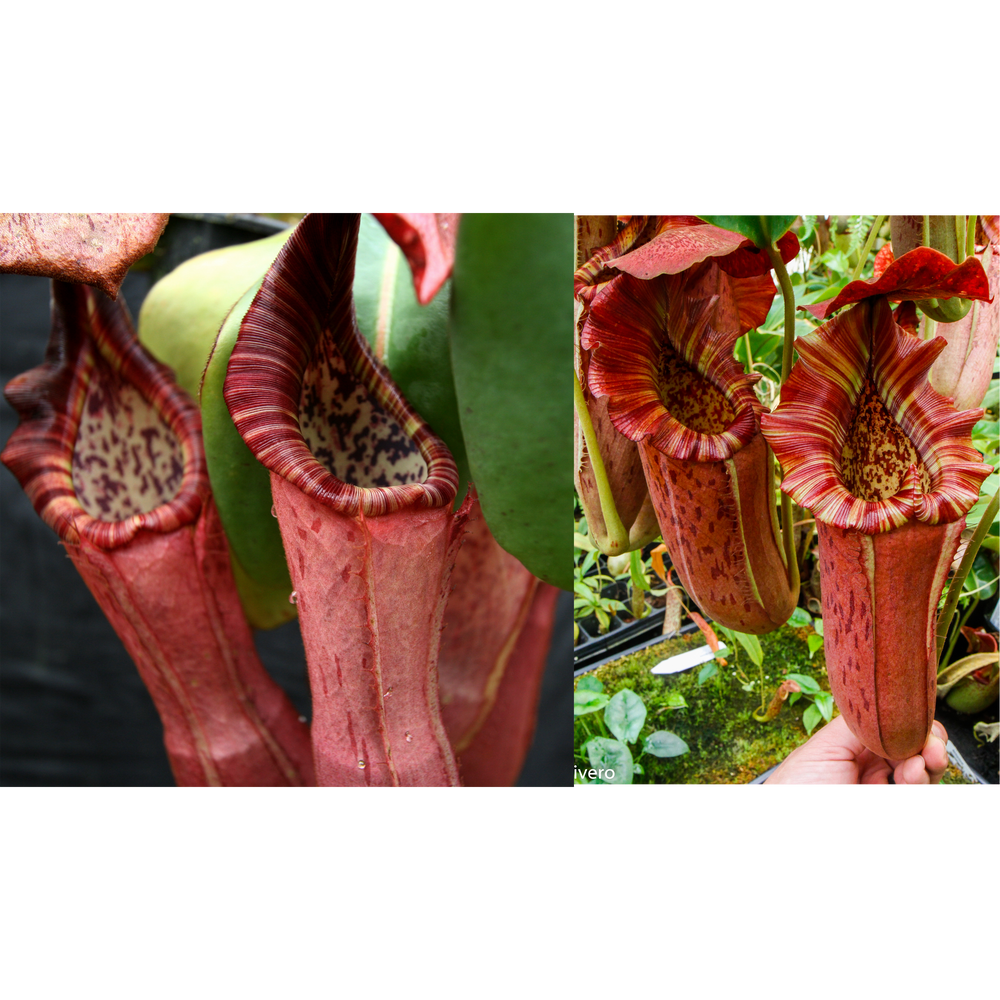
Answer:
(835, 756)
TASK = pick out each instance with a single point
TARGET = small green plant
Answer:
(822, 706)
(800, 618)
(752, 645)
(607, 757)
(589, 600)
(638, 571)
(587, 585)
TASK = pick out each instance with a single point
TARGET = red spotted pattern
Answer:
(880, 596)
(663, 355)
(108, 444)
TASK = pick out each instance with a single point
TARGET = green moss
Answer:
(727, 745)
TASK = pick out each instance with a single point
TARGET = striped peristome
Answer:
(108, 444)
(643, 335)
(853, 373)
(311, 400)
(594, 272)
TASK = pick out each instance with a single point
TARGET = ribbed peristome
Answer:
(299, 342)
(858, 416)
(104, 429)
(658, 346)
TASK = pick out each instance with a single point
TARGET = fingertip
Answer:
(912, 771)
(935, 754)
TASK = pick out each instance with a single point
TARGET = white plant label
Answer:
(684, 661)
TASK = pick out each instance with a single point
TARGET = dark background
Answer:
(73, 710)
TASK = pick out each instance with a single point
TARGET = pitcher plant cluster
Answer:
(870, 436)
(306, 427)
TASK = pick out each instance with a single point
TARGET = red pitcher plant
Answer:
(425, 640)
(658, 343)
(879, 456)
(363, 492)
(608, 472)
(885, 464)
(109, 451)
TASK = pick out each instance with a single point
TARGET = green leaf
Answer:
(824, 294)
(810, 718)
(241, 487)
(582, 542)
(708, 671)
(511, 349)
(765, 347)
(611, 759)
(727, 632)
(181, 316)
(800, 617)
(637, 769)
(752, 645)
(981, 578)
(411, 339)
(992, 398)
(610, 603)
(589, 683)
(180, 324)
(664, 744)
(807, 683)
(625, 715)
(815, 643)
(818, 625)
(635, 570)
(824, 702)
(585, 702)
(674, 699)
(761, 229)
(376, 266)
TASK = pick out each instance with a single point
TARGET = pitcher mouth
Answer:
(865, 441)
(109, 445)
(311, 400)
(669, 374)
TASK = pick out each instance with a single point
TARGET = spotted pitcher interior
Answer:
(877, 453)
(690, 398)
(126, 460)
(349, 432)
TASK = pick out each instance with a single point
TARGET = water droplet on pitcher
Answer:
(361, 764)
(293, 597)
(409, 738)
(274, 513)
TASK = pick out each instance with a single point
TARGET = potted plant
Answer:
(656, 298)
